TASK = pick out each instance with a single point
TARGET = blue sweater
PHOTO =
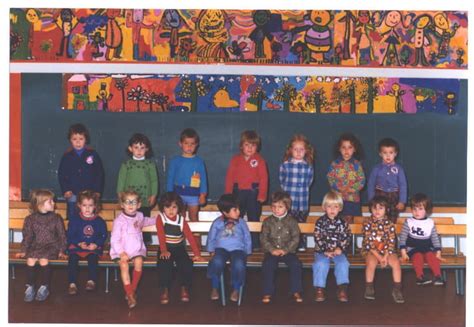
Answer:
(78, 173)
(388, 178)
(86, 230)
(187, 176)
(229, 239)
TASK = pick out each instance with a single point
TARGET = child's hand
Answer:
(92, 246)
(211, 254)
(202, 199)
(384, 261)
(277, 252)
(82, 245)
(165, 255)
(400, 206)
(67, 194)
(62, 256)
(405, 257)
(337, 251)
(438, 255)
(20, 255)
(198, 258)
(152, 201)
(329, 254)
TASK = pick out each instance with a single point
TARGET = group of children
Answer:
(81, 179)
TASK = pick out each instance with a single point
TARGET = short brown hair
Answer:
(421, 199)
(38, 197)
(189, 133)
(251, 137)
(90, 195)
(168, 199)
(380, 200)
(78, 129)
(281, 196)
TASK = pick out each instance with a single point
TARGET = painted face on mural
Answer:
(137, 15)
(211, 24)
(364, 16)
(112, 13)
(32, 16)
(441, 21)
(393, 18)
(320, 17)
(261, 17)
(172, 18)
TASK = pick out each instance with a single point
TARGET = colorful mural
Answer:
(360, 38)
(229, 93)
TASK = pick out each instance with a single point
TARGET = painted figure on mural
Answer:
(113, 35)
(397, 93)
(210, 25)
(262, 31)
(364, 26)
(66, 23)
(96, 41)
(173, 22)
(443, 33)
(421, 38)
(391, 22)
(32, 17)
(103, 98)
(318, 35)
(134, 20)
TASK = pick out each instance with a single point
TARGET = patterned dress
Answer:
(379, 234)
(43, 236)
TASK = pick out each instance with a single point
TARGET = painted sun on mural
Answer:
(252, 93)
(432, 39)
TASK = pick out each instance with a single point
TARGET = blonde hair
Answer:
(332, 197)
(38, 197)
(123, 195)
(309, 153)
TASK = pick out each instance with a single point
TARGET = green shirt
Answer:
(279, 234)
(140, 176)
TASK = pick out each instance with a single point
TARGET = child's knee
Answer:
(43, 262)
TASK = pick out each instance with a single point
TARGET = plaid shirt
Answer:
(296, 178)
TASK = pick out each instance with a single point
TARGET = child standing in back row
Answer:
(296, 175)
(187, 175)
(80, 169)
(247, 178)
(388, 179)
(346, 175)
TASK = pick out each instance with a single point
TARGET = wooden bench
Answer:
(455, 260)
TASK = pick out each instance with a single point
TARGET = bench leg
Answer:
(106, 279)
(13, 272)
(222, 290)
(456, 276)
(116, 275)
(445, 275)
(241, 290)
(461, 282)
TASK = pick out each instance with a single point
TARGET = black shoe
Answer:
(438, 281)
(423, 281)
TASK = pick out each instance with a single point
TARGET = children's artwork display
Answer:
(353, 38)
(252, 93)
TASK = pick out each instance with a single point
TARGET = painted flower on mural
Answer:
(136, 94)
(15, 41)
(78, 41)
(46, 45)
(121, 84)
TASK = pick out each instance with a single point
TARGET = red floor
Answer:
(426, 305)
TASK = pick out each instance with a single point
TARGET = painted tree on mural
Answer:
(347, 19)
(121, 84)
(348, 94)
(369, 92)
(286, 93)
(257, 96)
(191, 90)
(318, 100)
(136, 94)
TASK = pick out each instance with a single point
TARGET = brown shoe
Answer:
(184, 294)
(214, 294)
(319, 294)
(342, 293)
(297, 297)
(90, 286)
(131, 300)
(72, 290)
(266, 299)
(164, 299)
(234, 296)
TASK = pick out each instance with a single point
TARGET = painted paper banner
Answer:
(229, 93)
(364, 38)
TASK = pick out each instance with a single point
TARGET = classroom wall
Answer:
(433, 147)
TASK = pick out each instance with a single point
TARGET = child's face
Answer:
(234, 213)
(378, 211)
(46, 206)
(347, 150)
(388, 154)
(248, 149)
(138, 150)
(332, 210)
(130, 205)
(188, 146)
(279, 208)
(298, 150)
(171, 211)
(78, 141)
(87, 207)
(418, 211)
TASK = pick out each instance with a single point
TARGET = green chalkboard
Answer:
(432, 146)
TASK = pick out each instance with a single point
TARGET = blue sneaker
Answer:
(42, 293)
(29, 293)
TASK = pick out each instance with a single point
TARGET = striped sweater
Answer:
(419, 235)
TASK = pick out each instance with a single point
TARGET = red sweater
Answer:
(160, 230)
(245, 172)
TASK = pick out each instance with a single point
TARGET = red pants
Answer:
(418, 259)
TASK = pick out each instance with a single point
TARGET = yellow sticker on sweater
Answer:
(196, 180)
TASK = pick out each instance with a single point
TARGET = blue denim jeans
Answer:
(270, 266)
(238, 261)
(321, 269)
